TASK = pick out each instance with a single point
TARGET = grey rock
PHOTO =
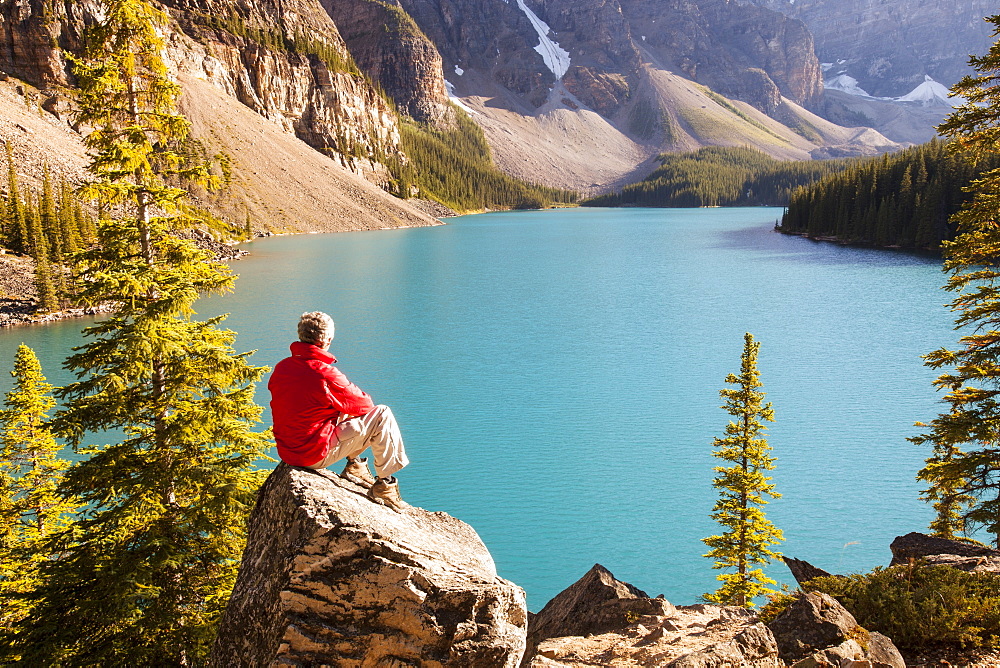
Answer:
(596, 603)
(983, 564)
(916, 545)
(803, 571)
(330, 578)
(815, 621)
(816, 630)
(883, 653)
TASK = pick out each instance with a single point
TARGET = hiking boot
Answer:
(386, 493)
(357, 472)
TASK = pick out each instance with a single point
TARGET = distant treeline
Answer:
(902, 200)
(720, 176)
(456, 168)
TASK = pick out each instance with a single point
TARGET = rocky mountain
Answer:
(584, 94)
(389, 46)
(580, 94)
(889, 46)
(269, 82)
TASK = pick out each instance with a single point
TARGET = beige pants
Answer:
(376, 430)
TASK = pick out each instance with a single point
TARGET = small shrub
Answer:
(777, 603)
(917, 605)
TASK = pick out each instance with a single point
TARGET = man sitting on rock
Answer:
(320, 416)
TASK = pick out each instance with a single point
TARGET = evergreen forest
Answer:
(456, 168)
(903, 200)
(720, 176)
(50, 226)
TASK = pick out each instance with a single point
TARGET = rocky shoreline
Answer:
(330, 578)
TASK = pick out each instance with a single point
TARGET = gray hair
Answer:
(315, 327)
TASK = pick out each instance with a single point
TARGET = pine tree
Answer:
(963, 471)
(67, 219)
(15, 211)
(30, 470)
(47, 300)
(743, 487)
(166, 506)
(53, 234)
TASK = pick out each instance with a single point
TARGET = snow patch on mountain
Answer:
(929, 92)
(556, 58)
(847, 84)
(456, 100)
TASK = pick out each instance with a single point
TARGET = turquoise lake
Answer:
(556, 377)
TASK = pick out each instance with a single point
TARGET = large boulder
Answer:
(595, 603)
(331, 578)
(944, 551)
(816, 630)
(600, 620)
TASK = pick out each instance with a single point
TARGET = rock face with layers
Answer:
(330, 578)
(388, 45)
(283, 59)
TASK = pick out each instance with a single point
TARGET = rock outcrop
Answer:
(817, 630)
(600, 620)
(944, 552)
(588, 628)
(803, 571)
(390, 48)
(330, 578)
(596, 603)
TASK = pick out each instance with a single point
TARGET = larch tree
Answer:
(963, 471)
(30, 471)
(743, 487)
(166, 504)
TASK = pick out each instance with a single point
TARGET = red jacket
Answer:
(307, 398)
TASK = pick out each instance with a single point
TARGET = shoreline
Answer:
(18, 304)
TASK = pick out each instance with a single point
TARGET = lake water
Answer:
(556, 377)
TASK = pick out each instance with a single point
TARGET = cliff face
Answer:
(493, 38)
(890, 45)
(745, 53)
(389, 46)
(285, 59)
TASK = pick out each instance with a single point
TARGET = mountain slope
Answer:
(888, 47)
(280, 68)
(584, 94)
